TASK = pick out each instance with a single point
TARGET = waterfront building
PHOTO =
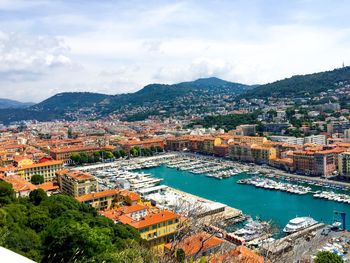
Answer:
(316, 163)
(178, 143)
(285, 164)
(344, 164)
(208, 144)
(303, 162)
(262, 154)
(241, 152)
(76, 183)
(221, 150)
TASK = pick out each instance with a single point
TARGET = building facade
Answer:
(76, 183)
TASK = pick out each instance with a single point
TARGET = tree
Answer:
(327, 257)
(68, 240)
(122, 153)
(37, 196)
(37, 179)
(116, 154)
(84, 158)
(134, 152)
(75, 157)
(159, 149)
(6, 192)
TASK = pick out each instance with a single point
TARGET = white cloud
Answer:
(120, 46)
(31, 54)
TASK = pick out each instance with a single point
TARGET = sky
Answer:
(112, 47)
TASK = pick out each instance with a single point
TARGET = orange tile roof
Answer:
(151, 219)
(199, 242)
(49, 186)
(131, 195)
(75, 174)
(18, 183)
(131, 208)
(136, 142)
(47, 163)
(240, 254)
(67, 149)
(91, 196)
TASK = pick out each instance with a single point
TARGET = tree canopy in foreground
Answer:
(60, 229)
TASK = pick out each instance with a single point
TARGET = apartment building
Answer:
(47, 169)
(155, 226)
(76, 183)
(344, 165)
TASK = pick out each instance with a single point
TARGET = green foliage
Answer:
(180, 255)
(59, 105)
(301, 86)
(6, 192)
(228, 122)
(134, 151)
(82, 158)
(37, 196)
(60, 229)
(327, 257)
(133, 252)
(37, 179)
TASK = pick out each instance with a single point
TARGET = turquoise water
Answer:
(277, 206)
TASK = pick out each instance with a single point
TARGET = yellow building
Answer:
(156, 227)
(26, 169)
(240, 151)
(208, 144)
(262, 154)
(250, 139)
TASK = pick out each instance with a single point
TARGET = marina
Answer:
(279, 206)
(245, 187)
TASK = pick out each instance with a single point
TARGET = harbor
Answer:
(254, 192)
(279, 206)
(238, 202)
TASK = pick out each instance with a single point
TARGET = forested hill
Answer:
(13, 104)
(76, 105)
(301, 85)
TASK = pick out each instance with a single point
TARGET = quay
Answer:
(228, 212)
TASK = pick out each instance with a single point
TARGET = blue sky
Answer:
(114, 47)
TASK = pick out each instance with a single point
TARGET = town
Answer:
(105, 165)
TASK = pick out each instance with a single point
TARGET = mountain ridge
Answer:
(200, 94)
(13, 104)
(68, 105)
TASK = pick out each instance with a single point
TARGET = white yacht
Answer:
(299, 223)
